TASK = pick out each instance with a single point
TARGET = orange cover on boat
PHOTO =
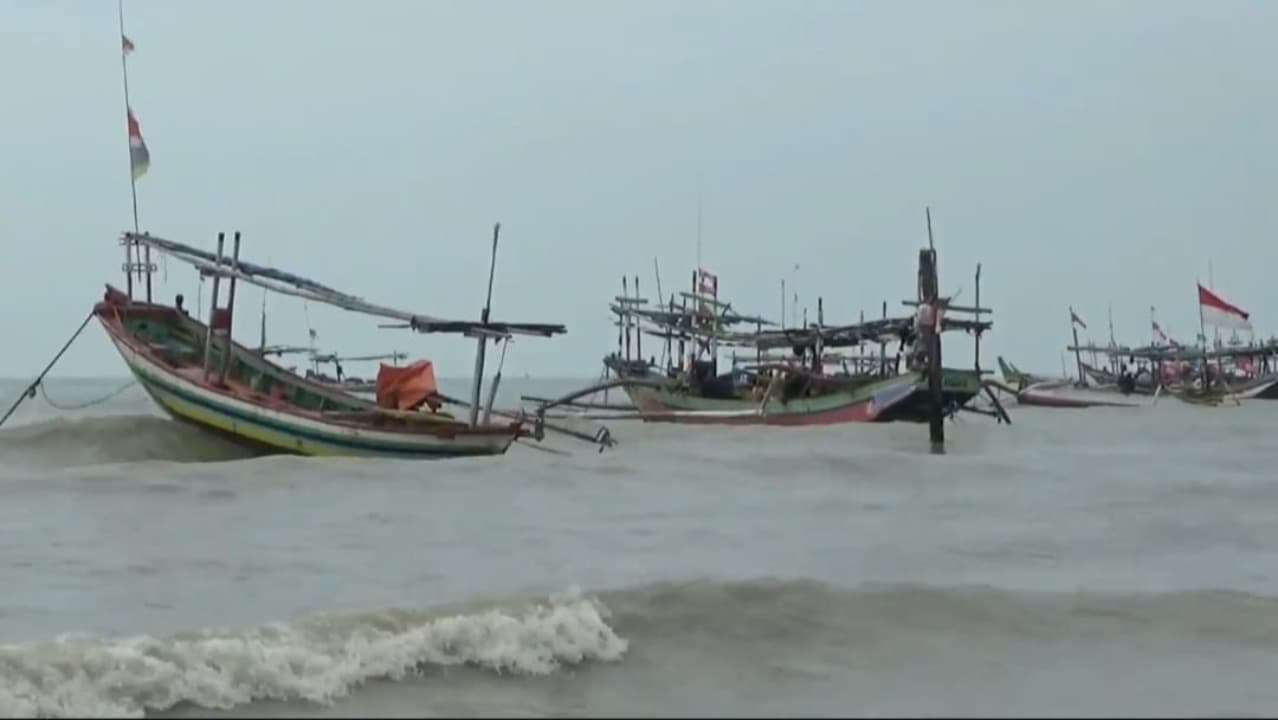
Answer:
(404, 388)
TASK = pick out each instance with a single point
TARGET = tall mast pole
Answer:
(133, 184)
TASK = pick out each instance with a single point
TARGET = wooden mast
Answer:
(477, 383)
(230, 309)
(217, 279)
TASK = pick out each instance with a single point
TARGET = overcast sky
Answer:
(1087, 152)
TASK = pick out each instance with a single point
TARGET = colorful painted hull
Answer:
(896, 398)
(265, 425)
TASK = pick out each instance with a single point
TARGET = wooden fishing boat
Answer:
(792, 395)
(199, 375)
(1133, 382)
(688, 387)
(1071, 394)
(1017, 378)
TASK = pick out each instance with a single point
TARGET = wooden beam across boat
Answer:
(870, 331)
(287, 283)
(334, 357)
(658, 315)
(951, 307)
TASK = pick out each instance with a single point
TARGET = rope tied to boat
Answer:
(30, 390)
(81, 406)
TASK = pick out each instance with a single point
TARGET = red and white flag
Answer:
(1217, 312)
(709, 282)
(139, 155)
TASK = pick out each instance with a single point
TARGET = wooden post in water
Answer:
(638, 330)
(883, 348)
(930, 337)
(977, 317)
(625, 310)
(683, 336)
(670, 339)
(694, 324)
(227, 348)
(208, 327)
(818, 347)
(621, 321)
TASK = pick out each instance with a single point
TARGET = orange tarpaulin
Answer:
(407, 387)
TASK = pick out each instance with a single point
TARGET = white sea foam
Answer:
(317, 660)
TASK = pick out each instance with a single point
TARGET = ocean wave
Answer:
(114, 438)
(317, 660)
(323, 659)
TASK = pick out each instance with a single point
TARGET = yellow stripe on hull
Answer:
(287, 443)
(282, 441)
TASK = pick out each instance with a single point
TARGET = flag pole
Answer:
(128, 244)
(133, 183)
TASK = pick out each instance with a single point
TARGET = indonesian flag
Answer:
(1219, 313)
(709, 282)
(139, 156)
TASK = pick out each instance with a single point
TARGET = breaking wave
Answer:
(317, 660)
(114, 438)
(325, 658)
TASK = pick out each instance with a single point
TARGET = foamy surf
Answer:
(318, 660)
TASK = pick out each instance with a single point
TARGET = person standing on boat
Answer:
(177, 302)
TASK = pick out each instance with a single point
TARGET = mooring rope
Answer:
(29, 392)
(80, 406)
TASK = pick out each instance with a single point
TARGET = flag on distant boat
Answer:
(709, 282)
(1215, 311)
(139, 156)
(1074, 318)
(126, 44)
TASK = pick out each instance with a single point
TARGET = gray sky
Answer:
(1087, 152)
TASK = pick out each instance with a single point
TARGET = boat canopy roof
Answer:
(682, 325)
(870, 331)
(683, 318)
(287, 283)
